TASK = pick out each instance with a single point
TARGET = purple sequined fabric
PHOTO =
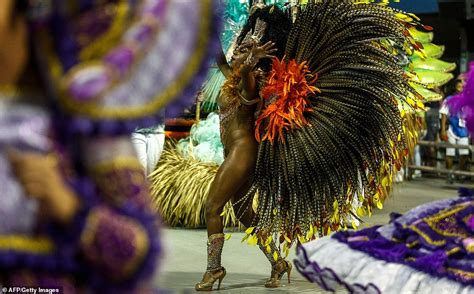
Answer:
(470, 223)
(67, 258)
(150, 37)
(27, 128)
(437, 241)
(116, 248)
(125, 186)
(154, 35)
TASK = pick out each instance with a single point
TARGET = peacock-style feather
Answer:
(354, 137)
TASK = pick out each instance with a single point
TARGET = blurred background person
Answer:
(416, 158)
(149, 144)
(432, 122)
(453, 129)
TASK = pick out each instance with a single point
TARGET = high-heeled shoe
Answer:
(278, 271)
(209, 279)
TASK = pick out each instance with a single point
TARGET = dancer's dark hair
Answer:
(278, 27)
(450, 88)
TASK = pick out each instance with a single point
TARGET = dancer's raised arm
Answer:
(249, 95)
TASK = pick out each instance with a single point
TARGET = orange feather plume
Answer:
(288, 86)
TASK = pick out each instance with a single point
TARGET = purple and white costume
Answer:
(430, 249)
(110, 67)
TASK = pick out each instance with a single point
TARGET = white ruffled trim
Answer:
(361, 273)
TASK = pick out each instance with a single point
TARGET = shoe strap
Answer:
(214, 271)
(215, 236)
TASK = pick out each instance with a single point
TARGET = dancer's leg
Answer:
(236, 170)
(244, 210)
(272, 253)
(232, 174)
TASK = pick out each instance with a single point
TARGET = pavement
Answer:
(247, 268)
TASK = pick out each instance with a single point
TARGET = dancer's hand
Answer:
(264, 51)
(13, 40)
(241, 54)
(41, 179)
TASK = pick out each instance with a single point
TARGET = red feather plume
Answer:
(288, 86)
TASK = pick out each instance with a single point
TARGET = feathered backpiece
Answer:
(340, 131)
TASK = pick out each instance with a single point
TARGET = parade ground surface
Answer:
(248, 269)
